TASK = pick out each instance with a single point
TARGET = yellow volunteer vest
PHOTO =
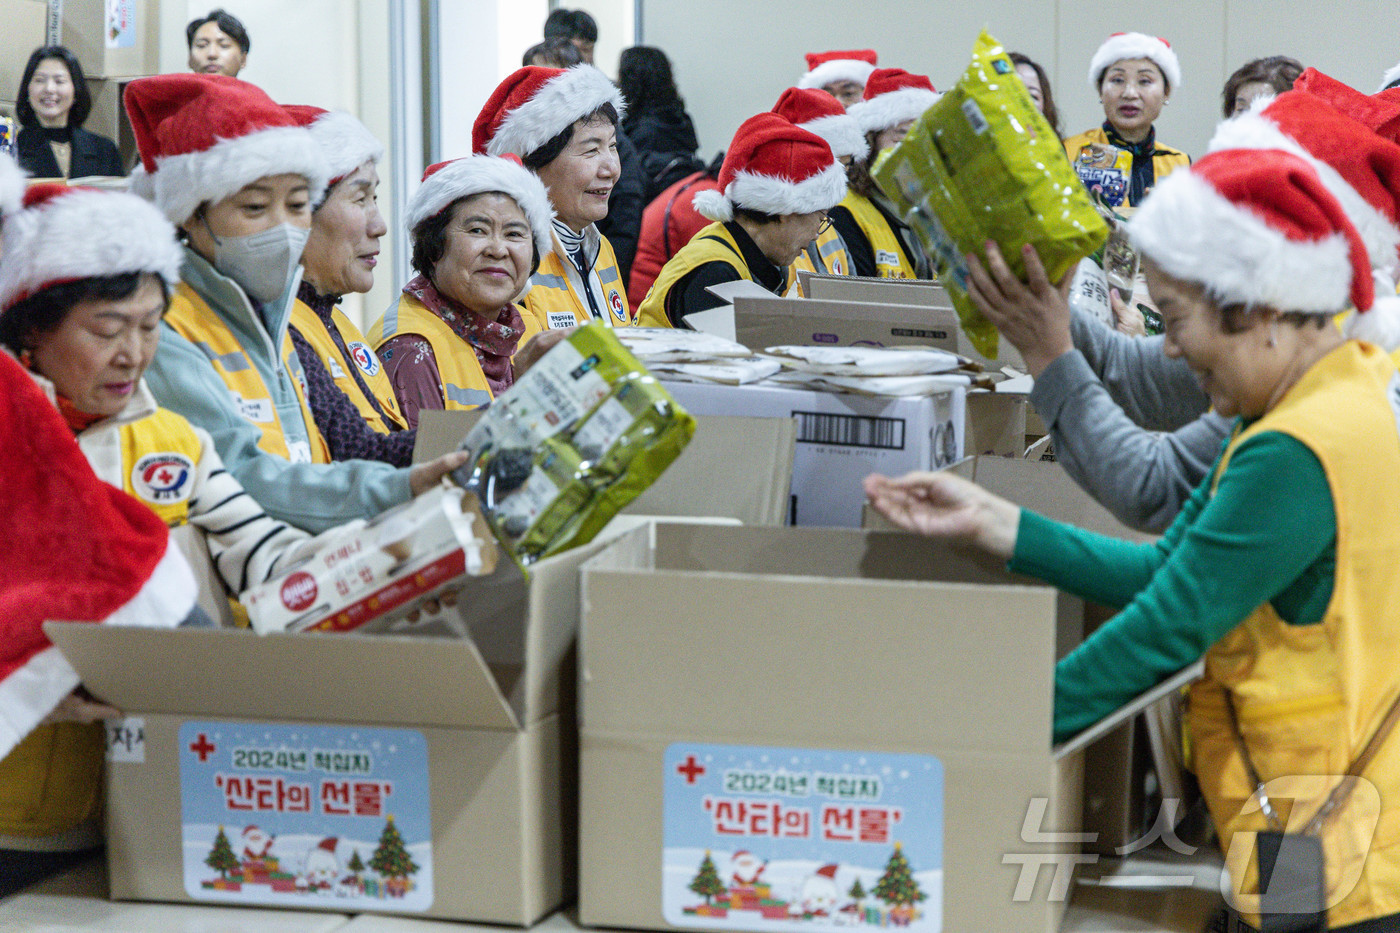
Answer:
(464, 385)
(890, 259)
(159, 456)
(1168, 160)
(194, 320)
(712, 244)
(313, 331)
(825, 255)
(51, 782)
(555, 306)
(1309, 697)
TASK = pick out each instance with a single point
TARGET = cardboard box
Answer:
(840, 440)
(691, 486)
(26, 23)
(113, 38)
(108, 116)
(869, 290)
(300, 750)
(804, 686)
(760, 323)
(996, 424)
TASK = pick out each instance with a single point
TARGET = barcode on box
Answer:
(849, 430)
(911, 332)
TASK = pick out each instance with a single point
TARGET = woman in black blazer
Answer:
(53, 103)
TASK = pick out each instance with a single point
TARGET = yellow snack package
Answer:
(580, 435)
(982, 164)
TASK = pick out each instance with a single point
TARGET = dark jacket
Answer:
(92, 155)
(666, 139)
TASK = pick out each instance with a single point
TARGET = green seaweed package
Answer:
(580, 435)
(982, 164)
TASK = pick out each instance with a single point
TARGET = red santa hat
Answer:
(820, 113)
(827, 871)
(11, 185)
(1380, 112)
(64, 234)
(825, 68)
(534, 104)
(892, 95)
(328, 844)
(448, 182)
(776, 168)
(203, 137)
(345, 141)
(1256, 227)
(75, 549)
(1125, 45)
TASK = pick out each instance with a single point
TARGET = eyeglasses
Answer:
(826, 223)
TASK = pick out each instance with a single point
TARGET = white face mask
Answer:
(261, 263)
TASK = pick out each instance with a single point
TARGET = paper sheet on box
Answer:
(717, 321)
(735, 372)
(657, 345)
(867, 361)
(883, 386)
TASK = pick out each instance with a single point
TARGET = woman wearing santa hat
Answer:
(456, 338)
(349, 394)
(563, 126)
(879, 243)
(1296, 610)
(842, 74)
(238, 176)
(776, 188)
(1134, 75)
(818, 112)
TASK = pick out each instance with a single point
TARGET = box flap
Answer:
(726, 630)
(380, 679)
(703, 481)
(1122, 714)
(441, 432)
(770, 322)
(1044, 486)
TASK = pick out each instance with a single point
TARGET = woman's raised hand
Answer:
(941, 505)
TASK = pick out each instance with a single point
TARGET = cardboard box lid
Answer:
(381, 679)
(768, 322)
(733, 467)
(776, 634)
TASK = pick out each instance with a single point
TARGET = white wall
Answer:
(734, 57)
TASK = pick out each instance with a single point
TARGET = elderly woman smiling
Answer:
(479, 226)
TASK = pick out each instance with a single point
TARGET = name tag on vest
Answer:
(258, 410)
(334, 367)
(299, 451)
(884, 257)
(559, 320)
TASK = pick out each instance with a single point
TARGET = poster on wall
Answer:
(121, 24)
(797, 840)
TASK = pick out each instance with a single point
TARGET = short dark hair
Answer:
(82, 97)
(557, 53)
(1277, 71)
(571, 24)
(430, 238)
(228, 24)
(1047, 99)
(45, 310)
(645, 78)
(550, 150)
(858, 177)
(756, 217)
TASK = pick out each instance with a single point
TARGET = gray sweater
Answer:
(1129, 425)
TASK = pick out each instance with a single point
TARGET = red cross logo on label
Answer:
(691, 769)
(202, 747)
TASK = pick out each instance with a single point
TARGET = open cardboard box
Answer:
(871, 290)
(302, 751)
(766, 698)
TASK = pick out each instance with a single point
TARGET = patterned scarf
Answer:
(494, 339)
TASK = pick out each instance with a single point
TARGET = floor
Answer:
(1153, 891)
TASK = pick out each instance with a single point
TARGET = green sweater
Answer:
(1268, 534)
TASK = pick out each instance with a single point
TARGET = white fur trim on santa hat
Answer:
(1197, 235)
(183, 182)
(1392, 74)
(563, 99)
(345, 142)
(85, 234)
(838, 69)
(1380, 324)
(888, 110)
(776, 196)
(478, 174)
(1135, 45)
(11, 186)
(841, 133)
(1253, 130)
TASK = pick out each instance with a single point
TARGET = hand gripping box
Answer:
(804, 729)
(840, 439)
(421, 775)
